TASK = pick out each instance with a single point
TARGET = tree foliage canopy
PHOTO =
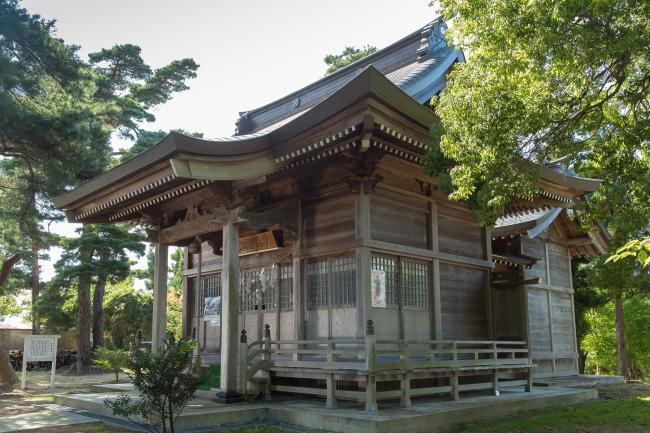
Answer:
(549, 79)
(347, 56)
(57, 115)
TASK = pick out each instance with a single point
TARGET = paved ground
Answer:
(33, 407)
(41, 419)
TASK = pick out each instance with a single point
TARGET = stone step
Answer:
(198, 413)
(425, 414)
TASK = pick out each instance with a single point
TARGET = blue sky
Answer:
(251, 52)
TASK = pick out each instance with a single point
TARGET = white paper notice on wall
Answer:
(212, 310)
(40, 348)
(378, 288)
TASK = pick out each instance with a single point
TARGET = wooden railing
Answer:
(371, 358)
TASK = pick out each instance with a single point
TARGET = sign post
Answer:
(40, 348)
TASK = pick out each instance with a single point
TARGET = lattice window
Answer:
(286, 287)
(335, 275)
(259, 288)
(317, 295)
(248, 289)
(210, 288)
(343, 280)
(268, 286)
(415, 283)
(406, 278)
(388, 264)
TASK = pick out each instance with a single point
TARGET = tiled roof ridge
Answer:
(417, 47)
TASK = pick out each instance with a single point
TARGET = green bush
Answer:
(166, 381)
(114, 360)
(600, 342)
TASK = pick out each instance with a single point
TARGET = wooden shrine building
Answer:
(321, 259)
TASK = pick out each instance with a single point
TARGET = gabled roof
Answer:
(535, 222)
(416, 63)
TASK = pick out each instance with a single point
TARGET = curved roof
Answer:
(416, 63)
(262, 147)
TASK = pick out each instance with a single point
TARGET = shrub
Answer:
(600, 342)
(166, 381)
(114, 360)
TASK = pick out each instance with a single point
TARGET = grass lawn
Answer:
(621, 408)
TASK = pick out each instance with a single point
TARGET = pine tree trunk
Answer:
(8, 377)
(620, 337)
(34, 284)
(98, 309)
(84, 313)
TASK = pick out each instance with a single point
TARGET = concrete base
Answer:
(579, 381)
(228, 397)
(425, 414)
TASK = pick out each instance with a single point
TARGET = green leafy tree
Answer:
(548, 80)
(601, 342)
(637, 248)
(57, 306)
(348, 56)
(166, 381)
(175, 294)
(113, 360)
(128, 310)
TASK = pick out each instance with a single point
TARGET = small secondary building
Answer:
(12, 335)
(322, 259)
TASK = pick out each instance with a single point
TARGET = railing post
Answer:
(243, 363)
(454, 353)
(267, 343)
(454, 394)
(267, 357)
(495, 381)
(529, 385)
(371, 359)
(330, 348)
(405, 385)
(330, 403)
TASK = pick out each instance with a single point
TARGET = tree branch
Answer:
(7, 266)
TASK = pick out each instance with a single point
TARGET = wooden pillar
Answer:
(436, 299)
(159, 325)
(298, 287)
(229, 315)
(489, 293)
(185, 318)
(371, 358)
(573, 312)
(362, 233)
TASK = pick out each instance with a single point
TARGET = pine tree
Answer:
(57, 116)
(97, 256)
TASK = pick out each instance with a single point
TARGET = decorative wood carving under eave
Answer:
(284, 213)
(204, 221)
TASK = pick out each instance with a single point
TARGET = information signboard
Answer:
(40, 348)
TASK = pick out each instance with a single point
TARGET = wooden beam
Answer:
(579, 240)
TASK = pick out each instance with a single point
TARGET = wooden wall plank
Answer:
(463, 300)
